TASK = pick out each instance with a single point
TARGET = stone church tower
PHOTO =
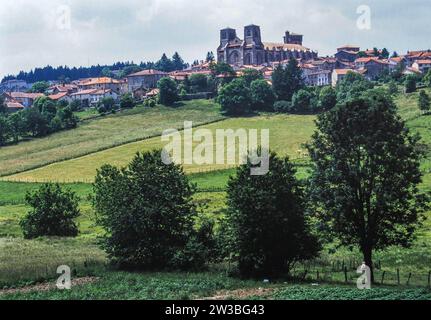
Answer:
(252, 51)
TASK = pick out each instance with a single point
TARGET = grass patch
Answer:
(104, 133)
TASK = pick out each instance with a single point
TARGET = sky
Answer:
(86, 32)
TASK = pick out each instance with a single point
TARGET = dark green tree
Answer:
(250, 75)
(53, 213)
(39, 87)
(16, 125)
(198, 83)
(410, 83)
(327, 98)
(178, 62)
(287, 80)
(262, 96)
(5, 130)
(235, 98)
(210, 57)
(127, 101)
(267, 216)
(424, 101)
(366, 172)
(427, 78)
(164, 64)
(168, 91)
(147, 211)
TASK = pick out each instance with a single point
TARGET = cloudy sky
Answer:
(37, 33)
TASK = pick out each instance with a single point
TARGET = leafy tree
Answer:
(262, 96)
(282, 106)
(67, 118)
(127, 101)
(366, 173)
(53, 213)
(147, 210)
(267, 215)
(16, 125)
(222, 68)
(130, 69)
(168, 91)
(250, 75)
(235, 98)
(352, 86)
(39, 87)
(287, 80)
(395, 55)
(327, 98)
(302, 101)
(424, 101)
(5, 131)
(410, 83)
(198, 82)
(427, 78)
(108, 104)
(75, 105)
(35, 122)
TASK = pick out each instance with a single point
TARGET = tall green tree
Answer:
(164, 64)
(178, 62)
(427, 78)
(424, 101)
(147, 211)
(16, 125)
(250, 75)
(287, 80)
(39, 87)
(235, 98)
(5, 130)
(262, 96)
(410, 83)
(168, 91)
(267, 217)
(327, 98)
(366, 172)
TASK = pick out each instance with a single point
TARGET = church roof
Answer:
(284, 46)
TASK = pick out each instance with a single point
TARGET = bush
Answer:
(282, 106)
(410, 83)
(267, 216)
(127, 101)
(53, 213)
(148, 214)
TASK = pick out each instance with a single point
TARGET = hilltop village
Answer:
(251, 52)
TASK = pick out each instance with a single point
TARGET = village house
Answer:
(373, 67)
(340, 74)
(64, 88)
(412, 56)
(103, 83)
(60, 96)
(146, 79)
(14, 106)
(422, 65)
(24, 98)
(92, 97)
(348, 53)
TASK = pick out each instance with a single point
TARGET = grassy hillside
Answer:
(287, 135)
(103, 133)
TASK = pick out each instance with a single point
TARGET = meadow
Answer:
(25, 262)
(104, 133)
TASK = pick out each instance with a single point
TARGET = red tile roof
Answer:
(149, 72)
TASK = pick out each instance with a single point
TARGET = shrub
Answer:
(262, 96)
(410, 84)
(147, 211)
(53, 213)
(282, 106)
(266, 214)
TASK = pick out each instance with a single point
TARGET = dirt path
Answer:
(47, 286)
(241, 294)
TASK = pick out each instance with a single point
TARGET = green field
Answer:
(24, 262)
(287, 135)
(103, 133)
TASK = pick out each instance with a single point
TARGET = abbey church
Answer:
(252, 51)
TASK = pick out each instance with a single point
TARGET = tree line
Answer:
(116, 70)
